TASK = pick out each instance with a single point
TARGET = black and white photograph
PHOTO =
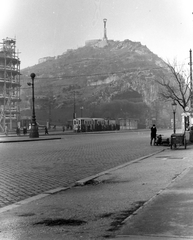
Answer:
(96, 120)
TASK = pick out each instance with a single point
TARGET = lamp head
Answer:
(174, 105)
(32, 75)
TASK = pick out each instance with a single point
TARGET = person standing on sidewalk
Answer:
(6, 130)
(18, 131)
(153, 134)
(46, 130)
(24, 130)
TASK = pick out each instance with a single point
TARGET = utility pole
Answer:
(191, 94)
(81, 111)
(34, 127)
(74, 114)
(49, 113)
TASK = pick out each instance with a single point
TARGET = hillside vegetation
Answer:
(116, 81)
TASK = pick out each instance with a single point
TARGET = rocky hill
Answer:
(115, 81)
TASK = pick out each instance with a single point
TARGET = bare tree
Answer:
(176, 85)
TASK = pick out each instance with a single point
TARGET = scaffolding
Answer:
(9, 85)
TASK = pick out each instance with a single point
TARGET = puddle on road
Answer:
(60, 222)
(105, 215)
(105, 181)
(170, 157)
(118, 218)
(26, 215)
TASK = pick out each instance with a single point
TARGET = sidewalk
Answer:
(13, 137)
(168, 214)
(149, 198)
(26, 138)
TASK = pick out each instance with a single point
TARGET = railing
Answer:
(10, 68)
(9, 81)
(8, 96)
(11, 109)
(8, 117)
(7, 54)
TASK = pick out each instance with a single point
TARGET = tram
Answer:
(94, 124)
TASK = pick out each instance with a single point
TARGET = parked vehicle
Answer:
(160, 140)
(178, 139)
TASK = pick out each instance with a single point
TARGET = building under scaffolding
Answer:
(9, 85)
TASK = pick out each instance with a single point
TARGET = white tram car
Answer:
(93, 124)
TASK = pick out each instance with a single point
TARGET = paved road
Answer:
(30, 168)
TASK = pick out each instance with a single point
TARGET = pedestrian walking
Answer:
(153, 134)
(18, 131)
(24, 130)
(6, 130)
(46, 130)
(191, 133)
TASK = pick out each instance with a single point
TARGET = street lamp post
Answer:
(81, 111)
(51, 101)
(174, 105)
(34, 127)
(74, 113)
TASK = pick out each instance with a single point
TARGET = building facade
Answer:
(9, 85)
(128, 123)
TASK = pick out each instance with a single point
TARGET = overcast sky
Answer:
(49, 27)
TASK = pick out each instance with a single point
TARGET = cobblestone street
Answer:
(30, 168)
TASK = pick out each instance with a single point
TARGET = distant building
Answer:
(9, 84)
(96, 43)
(44, 59)
(92, 42)
(128, 123)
